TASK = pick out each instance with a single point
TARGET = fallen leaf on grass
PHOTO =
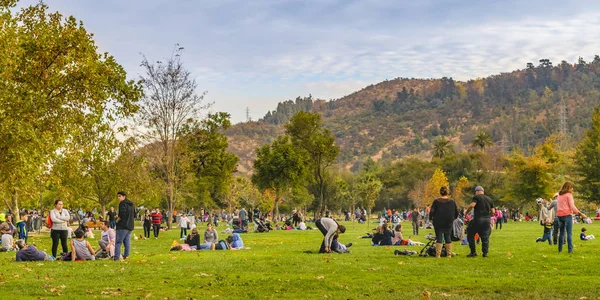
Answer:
(372, 269)
(400, 262)
(28, 269)
(583, 298)
(203, 275)
(426, 295)
(320, 277)
(445, 295)
(16, 275)
(148, 295)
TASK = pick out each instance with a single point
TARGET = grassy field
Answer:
(277, 267)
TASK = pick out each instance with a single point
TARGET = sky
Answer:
(254, 54)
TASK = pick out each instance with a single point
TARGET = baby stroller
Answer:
(259, 226)
(429, 248)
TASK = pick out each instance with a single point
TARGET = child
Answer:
(585, 237)
(80, 248)
(547, 232)
(22, 227)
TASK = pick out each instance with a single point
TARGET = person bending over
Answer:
(328, 227)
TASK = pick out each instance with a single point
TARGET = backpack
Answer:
(431, 251)
(49, 221)
(457, 233)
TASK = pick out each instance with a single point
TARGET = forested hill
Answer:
(405, 117)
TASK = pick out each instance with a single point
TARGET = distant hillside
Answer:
(403, 117)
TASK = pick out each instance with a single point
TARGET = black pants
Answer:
(555, 230)
(156, 228)
(320, 226)
(183, 232)
(56, 235)
(445, 232)
(499, 222)
(147, 230)
(481, 226)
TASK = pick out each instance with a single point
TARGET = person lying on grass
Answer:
(80, 248)
(338, 247)
(584, 237)
(30, 253)
(371, 235)
(236, 242)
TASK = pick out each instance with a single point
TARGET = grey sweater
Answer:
(60, 220)
(211, 236)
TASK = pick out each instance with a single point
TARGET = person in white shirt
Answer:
(183, 224)
(302, 225)
(60, 222)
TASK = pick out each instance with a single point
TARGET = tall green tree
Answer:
(369, 188)
(587, 159)
(442, 147)
(53, 84)
(482, 140)
(307, 132)
(279, 167)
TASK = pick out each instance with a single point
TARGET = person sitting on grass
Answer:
(386, 236)
(193, 239)
(338, 247)
(30, 253)
(80, 248)
(548, 224)
(397, 240)
(301, 226)
(236, 242)
(106, 242)
(8, 243)
(584, 237)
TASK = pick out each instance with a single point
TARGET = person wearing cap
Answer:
(483, 209)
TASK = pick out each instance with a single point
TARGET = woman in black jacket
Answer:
(443, 213)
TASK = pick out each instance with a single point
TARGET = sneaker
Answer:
(396, 252)
(348, 245)
(484, 255)
(472, 255)
(538, 240)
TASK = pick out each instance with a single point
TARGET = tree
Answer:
(432, 188)
(442, 147)
(307, 133)
(368, 190)
(417, 193)
(54, 84)
(482, 140)
(587, 159)
(459, 192)
(169, 103)
(211, 163)
(279, 167)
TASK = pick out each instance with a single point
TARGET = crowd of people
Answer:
(481, 217)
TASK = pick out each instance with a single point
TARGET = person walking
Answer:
(60, 222)
(125, 219)
(483, 209)
(156, 221)
(243, 216)
(442, 213)
(112, 218)
(415, 217)
(565, 207)
(147, 221)
(328, 227)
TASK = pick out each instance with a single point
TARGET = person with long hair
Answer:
(564, 212)
(60, 222)
(147, 222)
(443, 213)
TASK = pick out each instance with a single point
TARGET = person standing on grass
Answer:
(112, 218)
(156, 221)
(564, 211)
(483, 209)
(415, 217)
(125, 225)
(328, 227)
(552, 208)
(443, 212)
(60, 222)
(183, 225)
(147, 221)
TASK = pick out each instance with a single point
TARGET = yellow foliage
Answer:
(459, 195)
(432, 188)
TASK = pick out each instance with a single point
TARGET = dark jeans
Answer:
(183, 232)
(415, 226)
(147, 231)
(113, 224)
(555, 230)
(443, 234)
(499, 222)
(546, 237)
(123, 237)
(565, 224)
(320, 226)
(156, 228)
(481, 226)
(56, 235)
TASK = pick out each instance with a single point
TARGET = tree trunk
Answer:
(170, 195)
(103, 206)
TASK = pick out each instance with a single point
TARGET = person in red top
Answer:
(156, 220)
(564, 212)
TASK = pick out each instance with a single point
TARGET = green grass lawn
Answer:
(277, 267)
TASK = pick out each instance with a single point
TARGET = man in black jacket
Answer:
(483, 209)
(125, 223)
